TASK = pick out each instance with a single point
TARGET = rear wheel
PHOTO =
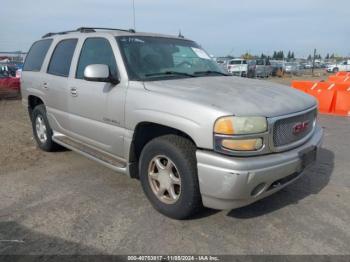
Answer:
(168, 175)
(335, 70)
(42, 130)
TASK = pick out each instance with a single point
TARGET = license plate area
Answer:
(308, 156)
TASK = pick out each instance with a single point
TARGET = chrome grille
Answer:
(283, 131)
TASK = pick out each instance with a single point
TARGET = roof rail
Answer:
(106, 28)
(86, 30)
(58, 33)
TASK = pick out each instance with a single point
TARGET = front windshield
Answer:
(153, 58)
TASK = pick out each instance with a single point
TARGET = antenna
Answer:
(180, 35)
(133, 12)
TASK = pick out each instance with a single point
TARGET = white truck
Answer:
(343, 66)
(238, 67)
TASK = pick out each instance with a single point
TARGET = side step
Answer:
(92, 153)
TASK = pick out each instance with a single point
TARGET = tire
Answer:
(44, 136)
(181, 153)
(335, 70)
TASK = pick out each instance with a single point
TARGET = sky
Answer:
(222, 27)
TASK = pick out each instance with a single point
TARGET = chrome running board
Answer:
(92, 153)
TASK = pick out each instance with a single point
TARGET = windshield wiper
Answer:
(208, 72)
(166, 73)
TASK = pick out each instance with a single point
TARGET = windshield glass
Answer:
(151, 58)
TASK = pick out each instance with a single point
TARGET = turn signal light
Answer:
(242, 144)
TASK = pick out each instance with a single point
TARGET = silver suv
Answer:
(159, 109)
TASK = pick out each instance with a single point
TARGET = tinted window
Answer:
(96, 51)
(62, 57)
(235, 62)
(36, 55)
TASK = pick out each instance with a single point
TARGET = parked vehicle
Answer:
(251, 68)
(238, 67)
(263, 68)
(9, 68)
(308, 66)
(292, 68)
(277, 67)
(222, 62)
(343, 66)
(157, 108)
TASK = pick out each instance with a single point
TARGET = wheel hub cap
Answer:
(41, 129)
(164, 179)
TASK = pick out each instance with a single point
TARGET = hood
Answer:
(235, 95)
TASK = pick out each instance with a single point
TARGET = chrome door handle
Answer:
(74, 91)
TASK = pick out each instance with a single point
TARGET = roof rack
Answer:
(87, 30)
(106, 28)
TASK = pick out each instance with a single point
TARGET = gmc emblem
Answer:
(300, 127)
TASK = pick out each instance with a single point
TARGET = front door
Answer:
(97, 108)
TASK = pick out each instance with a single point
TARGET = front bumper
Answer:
(228, 182)
(237, 72)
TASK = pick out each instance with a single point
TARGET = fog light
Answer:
(258, 190)
(242, 144)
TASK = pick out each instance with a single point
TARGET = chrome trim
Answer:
(271, 122)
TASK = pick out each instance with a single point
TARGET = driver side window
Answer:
(96, 51)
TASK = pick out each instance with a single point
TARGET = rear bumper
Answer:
(227, 182)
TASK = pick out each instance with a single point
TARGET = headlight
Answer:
(237, 133)
(237, 125)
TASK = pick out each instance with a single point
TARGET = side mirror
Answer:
(99, 73)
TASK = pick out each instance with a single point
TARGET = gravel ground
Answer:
(63, 203)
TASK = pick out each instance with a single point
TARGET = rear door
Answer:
(33, 70)
(55, 84)
(97, 108)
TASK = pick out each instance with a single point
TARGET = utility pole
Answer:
(313, 61)
(133, 12)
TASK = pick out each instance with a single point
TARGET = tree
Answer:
(247, 56)
(309, 58)
(292, 55)
(281, 55)
(327, 56)
(289, 55)
(274, 55)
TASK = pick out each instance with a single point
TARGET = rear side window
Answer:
(96, 51)
(62, 57)
(36, 55)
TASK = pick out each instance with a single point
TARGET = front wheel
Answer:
(168, 175)
(336, 70)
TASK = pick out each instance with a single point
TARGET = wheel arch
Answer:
(34, 101)
(145, 132)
